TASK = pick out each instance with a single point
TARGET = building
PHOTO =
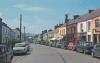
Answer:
(71, 27)
(56, 33)
(45, 37)
(17, 34)
(88, 26)
(93, 25)
(6, 34)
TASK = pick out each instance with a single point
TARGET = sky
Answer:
(39, 15)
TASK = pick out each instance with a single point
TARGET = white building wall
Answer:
(79, 27)
(84, 26)
(17, 33)
(89, 32)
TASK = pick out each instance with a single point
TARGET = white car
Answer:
(20, 48)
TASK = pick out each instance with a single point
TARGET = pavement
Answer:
(45, 54)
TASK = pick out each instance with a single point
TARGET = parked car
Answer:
(71, 46)
(6, 54)
(20, 48)
(27, 44)
(64, 44)
(84, 47)
(96, 50)
(58, 44)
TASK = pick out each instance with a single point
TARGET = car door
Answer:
(2, 55)
(9, 54)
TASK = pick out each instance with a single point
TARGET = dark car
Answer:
(2, 54)
(96, 50)
(6, 54)
(84, 47)
(64, 44)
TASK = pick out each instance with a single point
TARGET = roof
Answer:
(85, 17)
(64, 25)
(95, 13)
(56, 30)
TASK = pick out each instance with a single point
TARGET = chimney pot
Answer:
(76, 16)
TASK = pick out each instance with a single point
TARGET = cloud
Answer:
(29, 8)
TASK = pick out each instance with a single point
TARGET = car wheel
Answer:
(77, 50)
(84, 51)
(92, 54)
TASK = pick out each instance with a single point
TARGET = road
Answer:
(45, 54)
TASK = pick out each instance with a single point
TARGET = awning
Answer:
(60, 38)
(53, 39)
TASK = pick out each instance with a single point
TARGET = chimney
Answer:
(89, 11)
(66, 18)
(76, 16)
(56, 26)
(60, 25)
(0, 19)
(49, 30)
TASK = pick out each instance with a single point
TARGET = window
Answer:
(89, 25)
(81, 27)
(97, 23)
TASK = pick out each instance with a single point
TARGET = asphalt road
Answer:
(45, 54)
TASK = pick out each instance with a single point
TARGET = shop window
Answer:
(99, 38)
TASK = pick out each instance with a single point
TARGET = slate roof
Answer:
(85, 17)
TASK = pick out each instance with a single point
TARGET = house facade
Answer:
(62, 32)
(88, 27)
(6, 34)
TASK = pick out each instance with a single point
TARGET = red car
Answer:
(71, 46)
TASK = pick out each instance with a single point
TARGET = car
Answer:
(96, 50)
(71, 46)
(28, 45)
(64, 44)
(58, 44)
(20, 48)
(6, 54)
(84, 47)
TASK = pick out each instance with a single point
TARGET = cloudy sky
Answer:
(42, 14)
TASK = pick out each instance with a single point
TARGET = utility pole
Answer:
(20, 27)
(24, 33)
(66, 22)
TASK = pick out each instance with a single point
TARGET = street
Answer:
(45, 54)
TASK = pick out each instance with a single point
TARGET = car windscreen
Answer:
(20, 45)
(88, 44)
(98, 46)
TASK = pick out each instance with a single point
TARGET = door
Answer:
(95, 38)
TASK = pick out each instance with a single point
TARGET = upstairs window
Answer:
(89, 26)
(81, 27)
(97, 23)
